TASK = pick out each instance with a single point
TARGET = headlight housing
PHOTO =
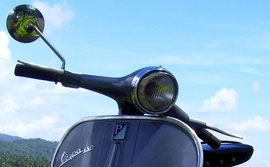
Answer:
(155, 90)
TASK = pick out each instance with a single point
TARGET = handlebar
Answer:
(38, 72)
(112, 87)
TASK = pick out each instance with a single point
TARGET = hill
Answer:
(16, 151)
(4, 137)
(29, 147)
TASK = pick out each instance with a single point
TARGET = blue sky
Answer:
(219, 51)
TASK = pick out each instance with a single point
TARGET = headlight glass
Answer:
(157, 92)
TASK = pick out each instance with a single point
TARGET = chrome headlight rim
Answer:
(135, 85)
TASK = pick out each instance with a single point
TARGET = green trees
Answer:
(26, 153)
(13, 160)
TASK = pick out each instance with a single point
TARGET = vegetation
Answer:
(26, 152)
(29, 147)
(13, 160)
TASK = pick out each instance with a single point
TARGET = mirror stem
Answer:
(48, 43)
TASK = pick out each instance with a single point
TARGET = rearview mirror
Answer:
(19, 23)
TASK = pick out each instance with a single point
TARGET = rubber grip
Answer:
(36, 73)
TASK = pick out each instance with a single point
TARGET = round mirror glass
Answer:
(19, 21)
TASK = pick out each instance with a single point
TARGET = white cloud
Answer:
(31, 108)
(4, 51)
(4, 57)
(257, 124)
(256, 86)
(8, 105)
(260, 158)
(46, 127)
(224, 100)
(23, 104)
(55, 15)
(28, 113)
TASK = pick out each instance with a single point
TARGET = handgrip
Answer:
(208, 138)
(38, 72)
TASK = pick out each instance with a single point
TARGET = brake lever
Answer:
(199, 127)
(204, 125)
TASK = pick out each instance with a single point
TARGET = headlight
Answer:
(155, 90)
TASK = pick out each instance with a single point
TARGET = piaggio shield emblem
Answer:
(120, 131)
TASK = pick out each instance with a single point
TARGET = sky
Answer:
(219, 51)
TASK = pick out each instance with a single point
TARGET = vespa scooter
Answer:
(150, 129)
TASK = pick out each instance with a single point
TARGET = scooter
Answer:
(150, 129)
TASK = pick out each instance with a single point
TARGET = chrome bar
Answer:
(201, 124)
(50, 45)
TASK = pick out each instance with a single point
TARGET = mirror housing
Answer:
(19, 23)
(25, 23)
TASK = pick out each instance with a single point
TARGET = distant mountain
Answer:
(38, 148)
(9, 138)
(17, 151)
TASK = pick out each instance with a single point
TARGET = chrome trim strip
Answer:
(117, 117)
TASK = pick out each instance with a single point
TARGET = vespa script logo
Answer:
(68, 157)
(120, 131)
